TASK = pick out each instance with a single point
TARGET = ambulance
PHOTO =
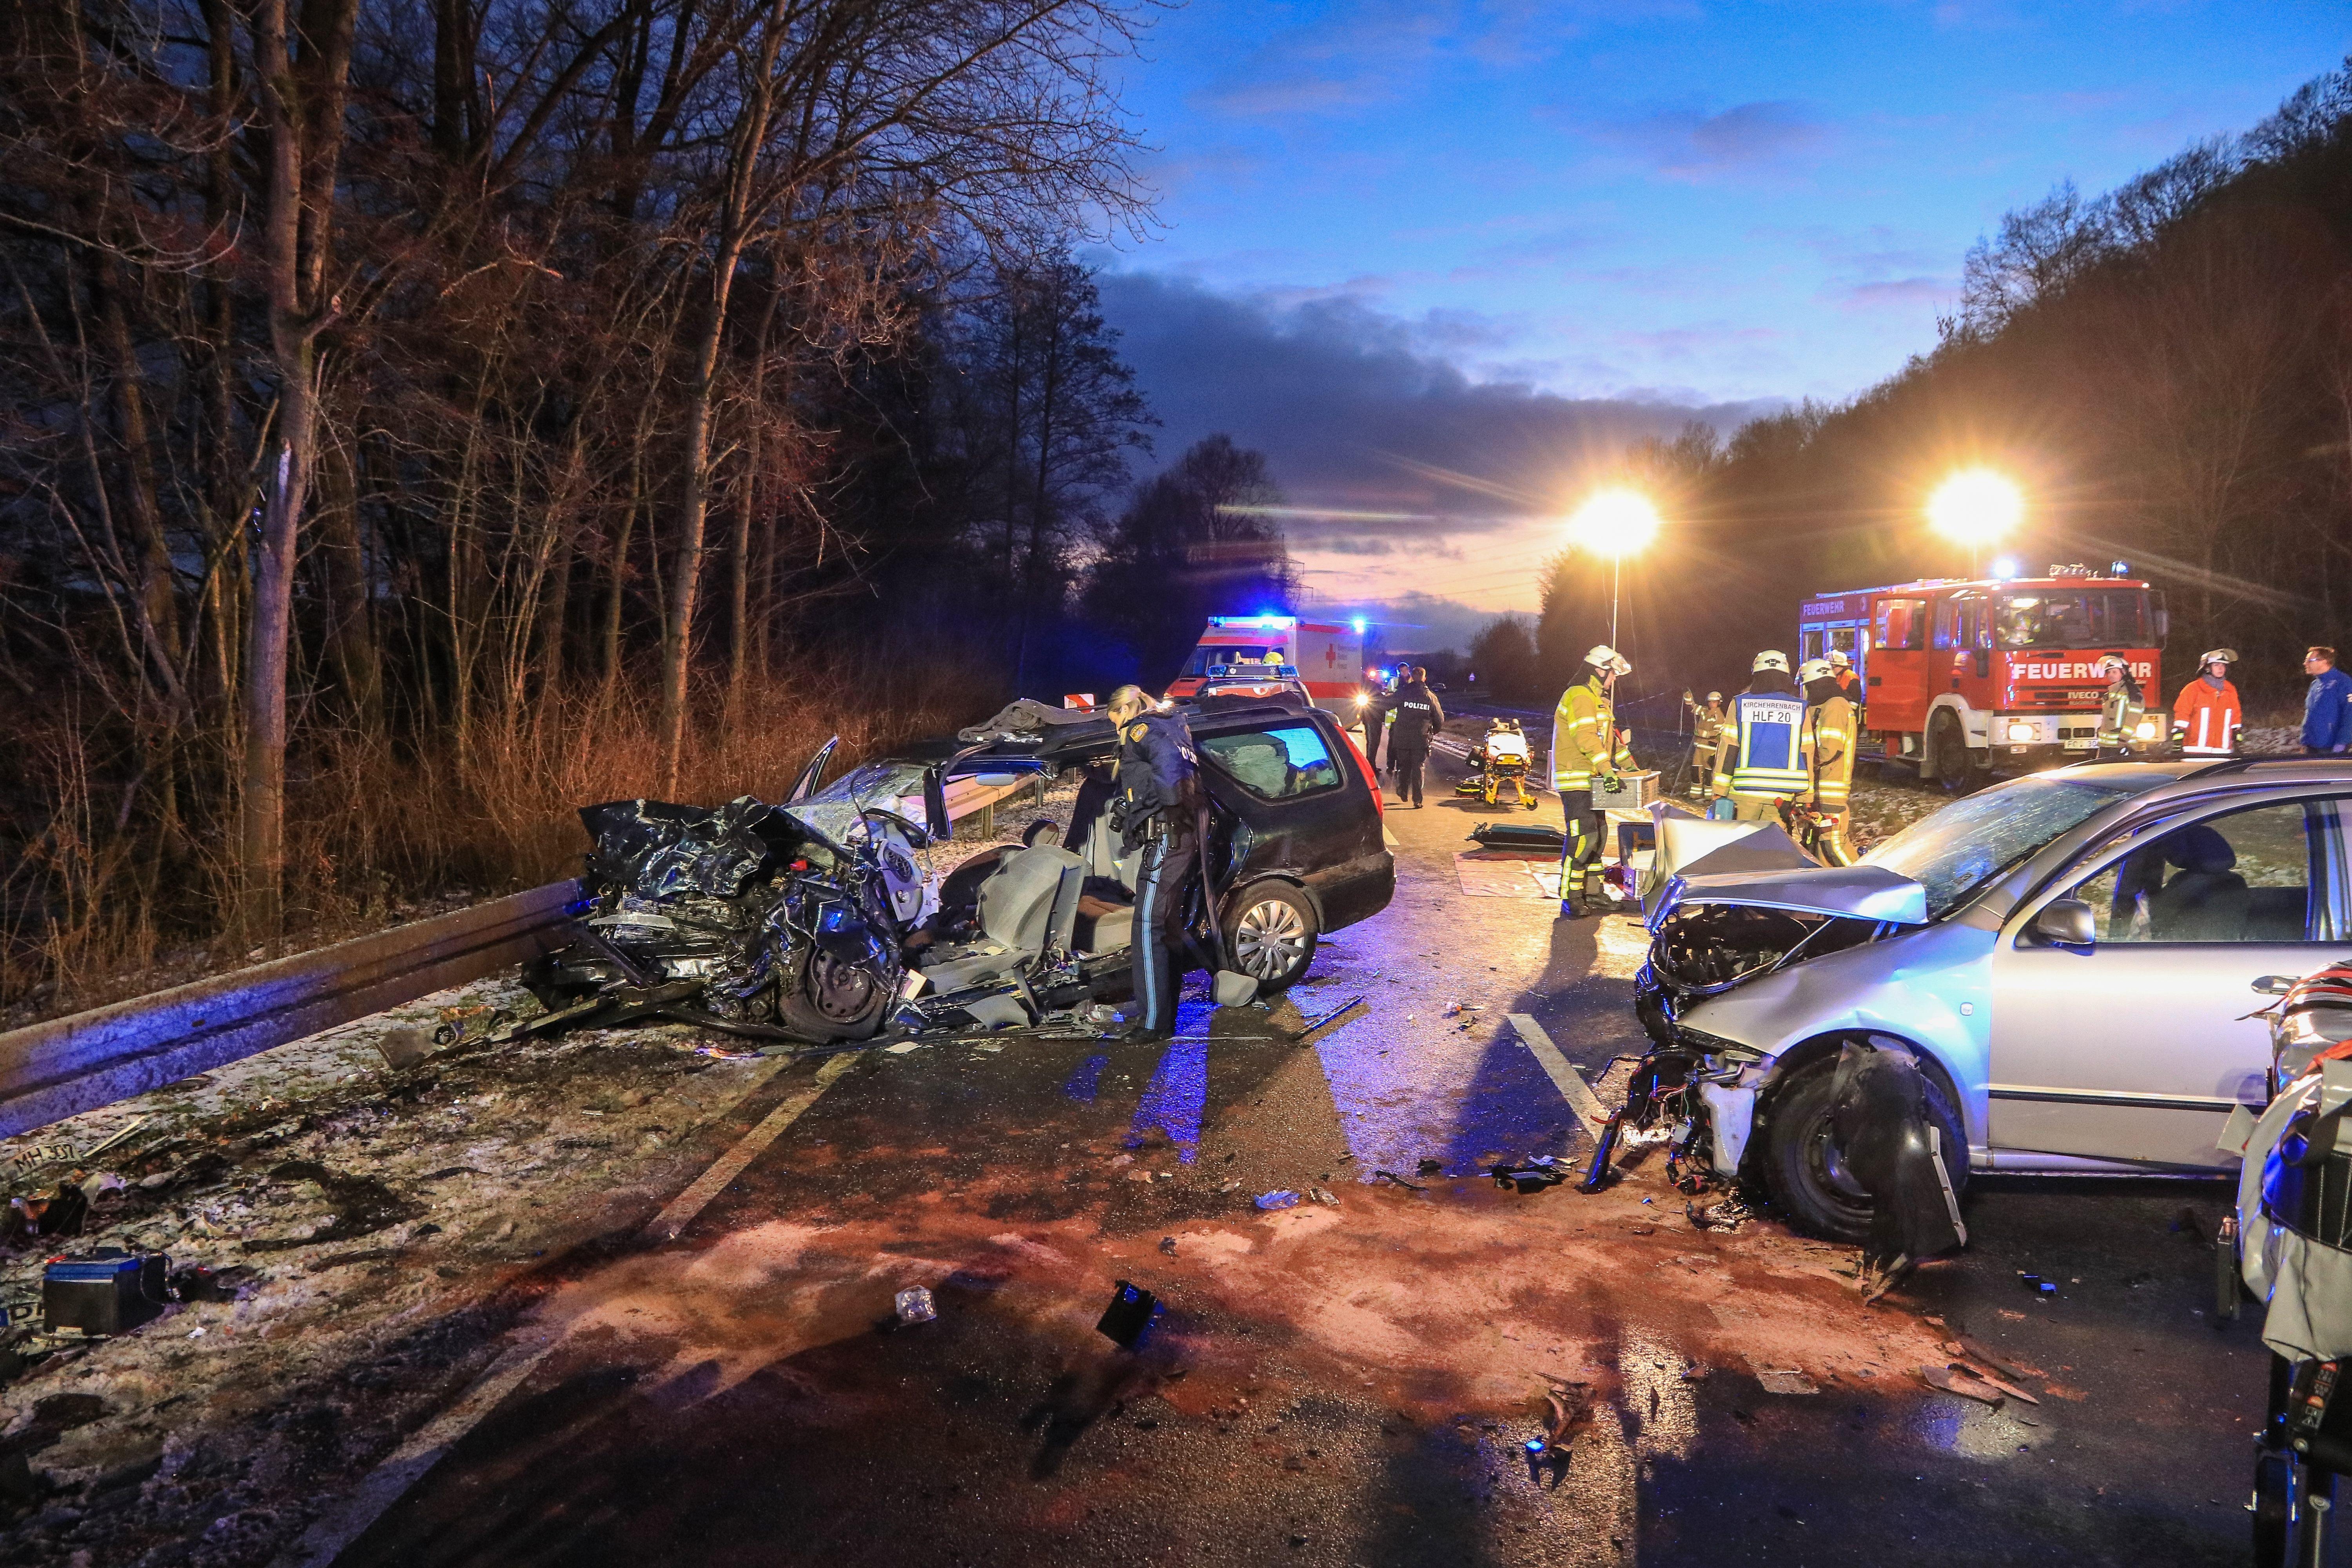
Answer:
(1960, 676)
(1256, 656)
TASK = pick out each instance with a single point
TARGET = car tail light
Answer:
(1364, 766)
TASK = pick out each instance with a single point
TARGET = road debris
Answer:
(1400, 1180)
(1167, 1245)
(914, 1305)
(1967, 1384)
(1324, 1196)
(1346, 1013)
(1727, 1215)
(1129, 1315)
(403, 1047)
(1532, 1175)
(108, 1291)
(1280, 1198)
(1430, 1167)
(1784, 1379)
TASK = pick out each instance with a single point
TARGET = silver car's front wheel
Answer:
(1273, 938)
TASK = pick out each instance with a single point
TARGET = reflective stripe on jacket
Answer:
(2119, 717)
(1585, 738)
(1763, 749)
(2207, 718)
(1829, 752)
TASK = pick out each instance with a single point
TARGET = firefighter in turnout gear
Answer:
(2206, 716)
(1706, 737)
(1762, 761)
(1830, 725)
(1586, 744)
(1160, 806)
(2120, 711)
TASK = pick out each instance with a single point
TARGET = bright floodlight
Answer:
(1615, 523)
(1975, 506)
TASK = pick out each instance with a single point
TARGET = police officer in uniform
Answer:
(1415, 714)
(1160, 805)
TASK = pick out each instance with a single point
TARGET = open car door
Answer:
(812, 774)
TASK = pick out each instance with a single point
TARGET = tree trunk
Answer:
(302, 104)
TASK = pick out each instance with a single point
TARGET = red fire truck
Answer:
(1960, 675)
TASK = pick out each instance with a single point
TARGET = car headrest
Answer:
(2199, 848)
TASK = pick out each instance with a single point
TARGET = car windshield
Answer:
(1969, 842)
(2074, 618)
(832, 813)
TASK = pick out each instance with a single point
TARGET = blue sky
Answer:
(1612, 212)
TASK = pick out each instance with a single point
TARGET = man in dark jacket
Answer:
(1418, 716)
(2327, 705)
(1158, 807)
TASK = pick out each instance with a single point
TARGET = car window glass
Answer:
(1289, 761)
(2242, 877)
(1899, 623)
(1962, 847)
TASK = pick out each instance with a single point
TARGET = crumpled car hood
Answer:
(1857, 892)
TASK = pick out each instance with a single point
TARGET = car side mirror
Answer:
(2274, 985)
(2069, 923)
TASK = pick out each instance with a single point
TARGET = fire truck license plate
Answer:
(2082, 743)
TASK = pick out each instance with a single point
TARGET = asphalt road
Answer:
(1336, 1383)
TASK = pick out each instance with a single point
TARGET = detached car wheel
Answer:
(1272, 935)
(1803, 1168)
(835, 1000)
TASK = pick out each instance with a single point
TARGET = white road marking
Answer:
(1561, 1071)
(390, 1481)
(730, 1165)
(328, 1536)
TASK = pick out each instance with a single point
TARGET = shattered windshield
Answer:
(1969, 842)
(832, 813)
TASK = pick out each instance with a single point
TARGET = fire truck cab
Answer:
(1256, 656)
(1960, 676)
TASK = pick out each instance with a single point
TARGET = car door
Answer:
(2135, 1047)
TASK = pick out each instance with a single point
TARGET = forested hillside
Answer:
(2166, 371)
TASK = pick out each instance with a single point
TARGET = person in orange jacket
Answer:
(2206, 713)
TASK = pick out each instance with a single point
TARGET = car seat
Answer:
(2205, 900)
(1028, 904)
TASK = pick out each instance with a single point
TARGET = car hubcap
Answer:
(1271, 940)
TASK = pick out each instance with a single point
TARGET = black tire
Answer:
(1801, 1167)
(1271, 935)
(1948, 752)
(829, 1000)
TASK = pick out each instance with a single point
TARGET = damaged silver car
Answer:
(2065, 956)
(818, 920)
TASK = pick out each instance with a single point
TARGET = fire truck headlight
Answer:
(1362, 700)
(2020, 731)
(2145, 731)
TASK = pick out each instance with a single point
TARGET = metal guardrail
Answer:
(56, 1069)
(49, 1071)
